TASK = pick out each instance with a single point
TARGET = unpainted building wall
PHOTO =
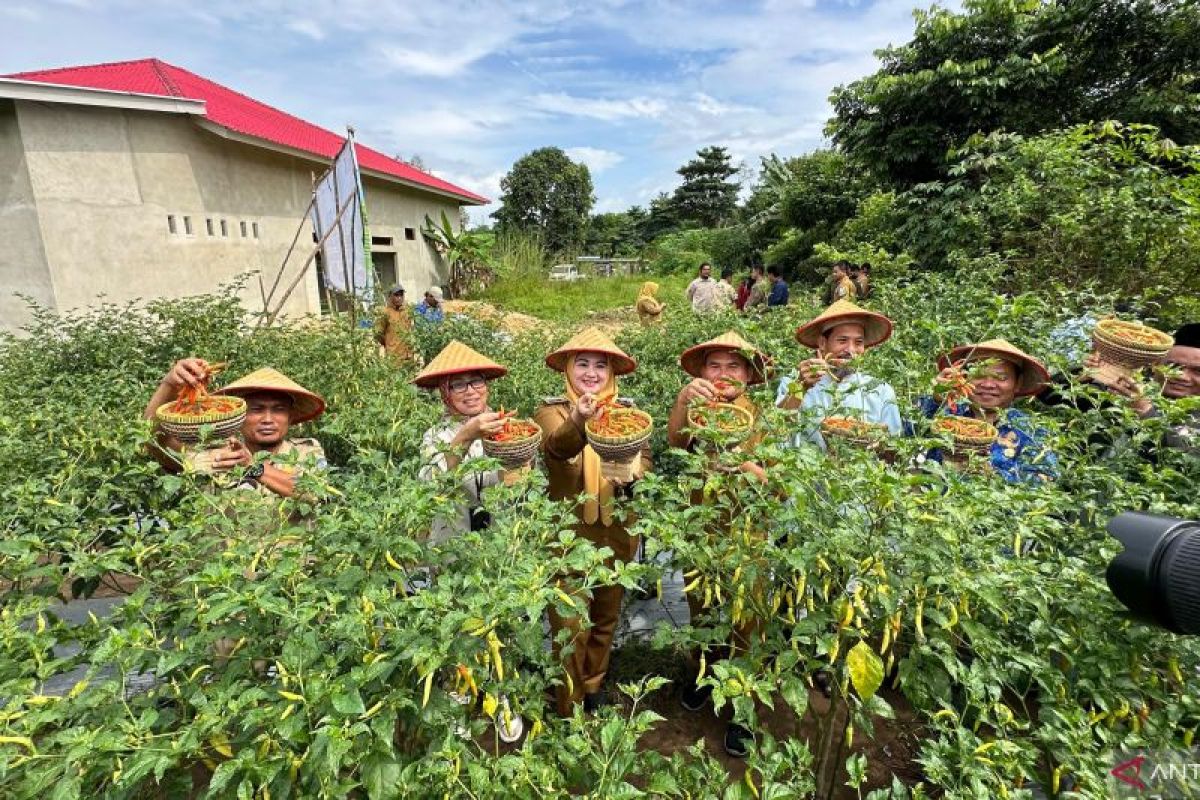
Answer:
(391, 209)
(22, 261)
(105, 181)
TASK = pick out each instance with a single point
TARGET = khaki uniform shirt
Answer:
(392, 330)
(758, 294)
(294, 456)
(562, 449)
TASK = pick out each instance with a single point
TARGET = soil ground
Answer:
(891, 752)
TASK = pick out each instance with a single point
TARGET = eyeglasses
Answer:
(460, 387)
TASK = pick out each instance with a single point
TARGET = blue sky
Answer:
(630, 88)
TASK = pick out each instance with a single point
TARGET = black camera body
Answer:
(1157, 576)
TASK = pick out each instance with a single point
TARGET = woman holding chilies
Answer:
(462, 377)
(590, 363)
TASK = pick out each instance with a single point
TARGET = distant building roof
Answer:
(238, 113)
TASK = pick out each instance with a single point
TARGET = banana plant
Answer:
(465, 253)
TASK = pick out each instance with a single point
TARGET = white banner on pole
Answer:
(337, 216)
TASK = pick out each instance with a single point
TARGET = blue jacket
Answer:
(1018, 454)
(430, 313)
(778, 295)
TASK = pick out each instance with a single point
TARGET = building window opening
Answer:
(410, 234)
(254, 227)
(208, 224)
(242, 225)
(224, 228)
(171, 223)
(381, 241)
(187, 225)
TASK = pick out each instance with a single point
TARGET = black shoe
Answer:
(824, 683)
(695, 697)
(738, 740)
(595, 701)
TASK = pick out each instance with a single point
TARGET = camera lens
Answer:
(1157, 576)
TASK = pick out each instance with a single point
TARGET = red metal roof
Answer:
(235, 111)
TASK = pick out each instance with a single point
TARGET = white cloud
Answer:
(437, 63)
(486, 184)
(24, 13)
(706, 104)
(597, 159)
(597, 108)
(306, 27)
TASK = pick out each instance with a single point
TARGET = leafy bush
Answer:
(685, 251)
(1111, 204)
(1009, 653)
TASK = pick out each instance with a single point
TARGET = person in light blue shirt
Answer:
(827, 385)
(430, 309)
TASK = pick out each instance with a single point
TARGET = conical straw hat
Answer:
(306, 405)
(692, 359)
(455, 359)
(878, 327)
(1034, 375)
(591, 340)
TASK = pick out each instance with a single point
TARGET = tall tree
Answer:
(616, 233)
(707, 197)
(662, 218)
(547, 193)
(1023, 66)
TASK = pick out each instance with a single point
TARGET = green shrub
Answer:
(1013, 660)
(685, 251)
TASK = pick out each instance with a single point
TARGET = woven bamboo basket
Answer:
(618, 455)
(187, 428)
(730, 437)
(514, 453)
(1115, 347)
(966, 446)
(857, 432)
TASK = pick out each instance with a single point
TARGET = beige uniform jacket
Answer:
(562, 448)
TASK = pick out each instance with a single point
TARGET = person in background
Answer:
(827, 384)
(726, 292)
(590, 364)
(430, 309)
(743, 292)
(779, 289)
(843, 286)
(393, 327)
(862, 281)
(1001, 374)
(649, 309)
(703, 292)
(759, 289)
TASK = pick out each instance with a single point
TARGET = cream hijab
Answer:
(598, 505)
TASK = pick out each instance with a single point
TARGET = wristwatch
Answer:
(255, 471)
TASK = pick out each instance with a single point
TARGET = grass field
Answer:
(570, 302)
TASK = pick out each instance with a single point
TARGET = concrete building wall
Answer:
(109, 183)
(22, 260)
(393, 211)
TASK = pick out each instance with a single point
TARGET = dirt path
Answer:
(509, 321)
